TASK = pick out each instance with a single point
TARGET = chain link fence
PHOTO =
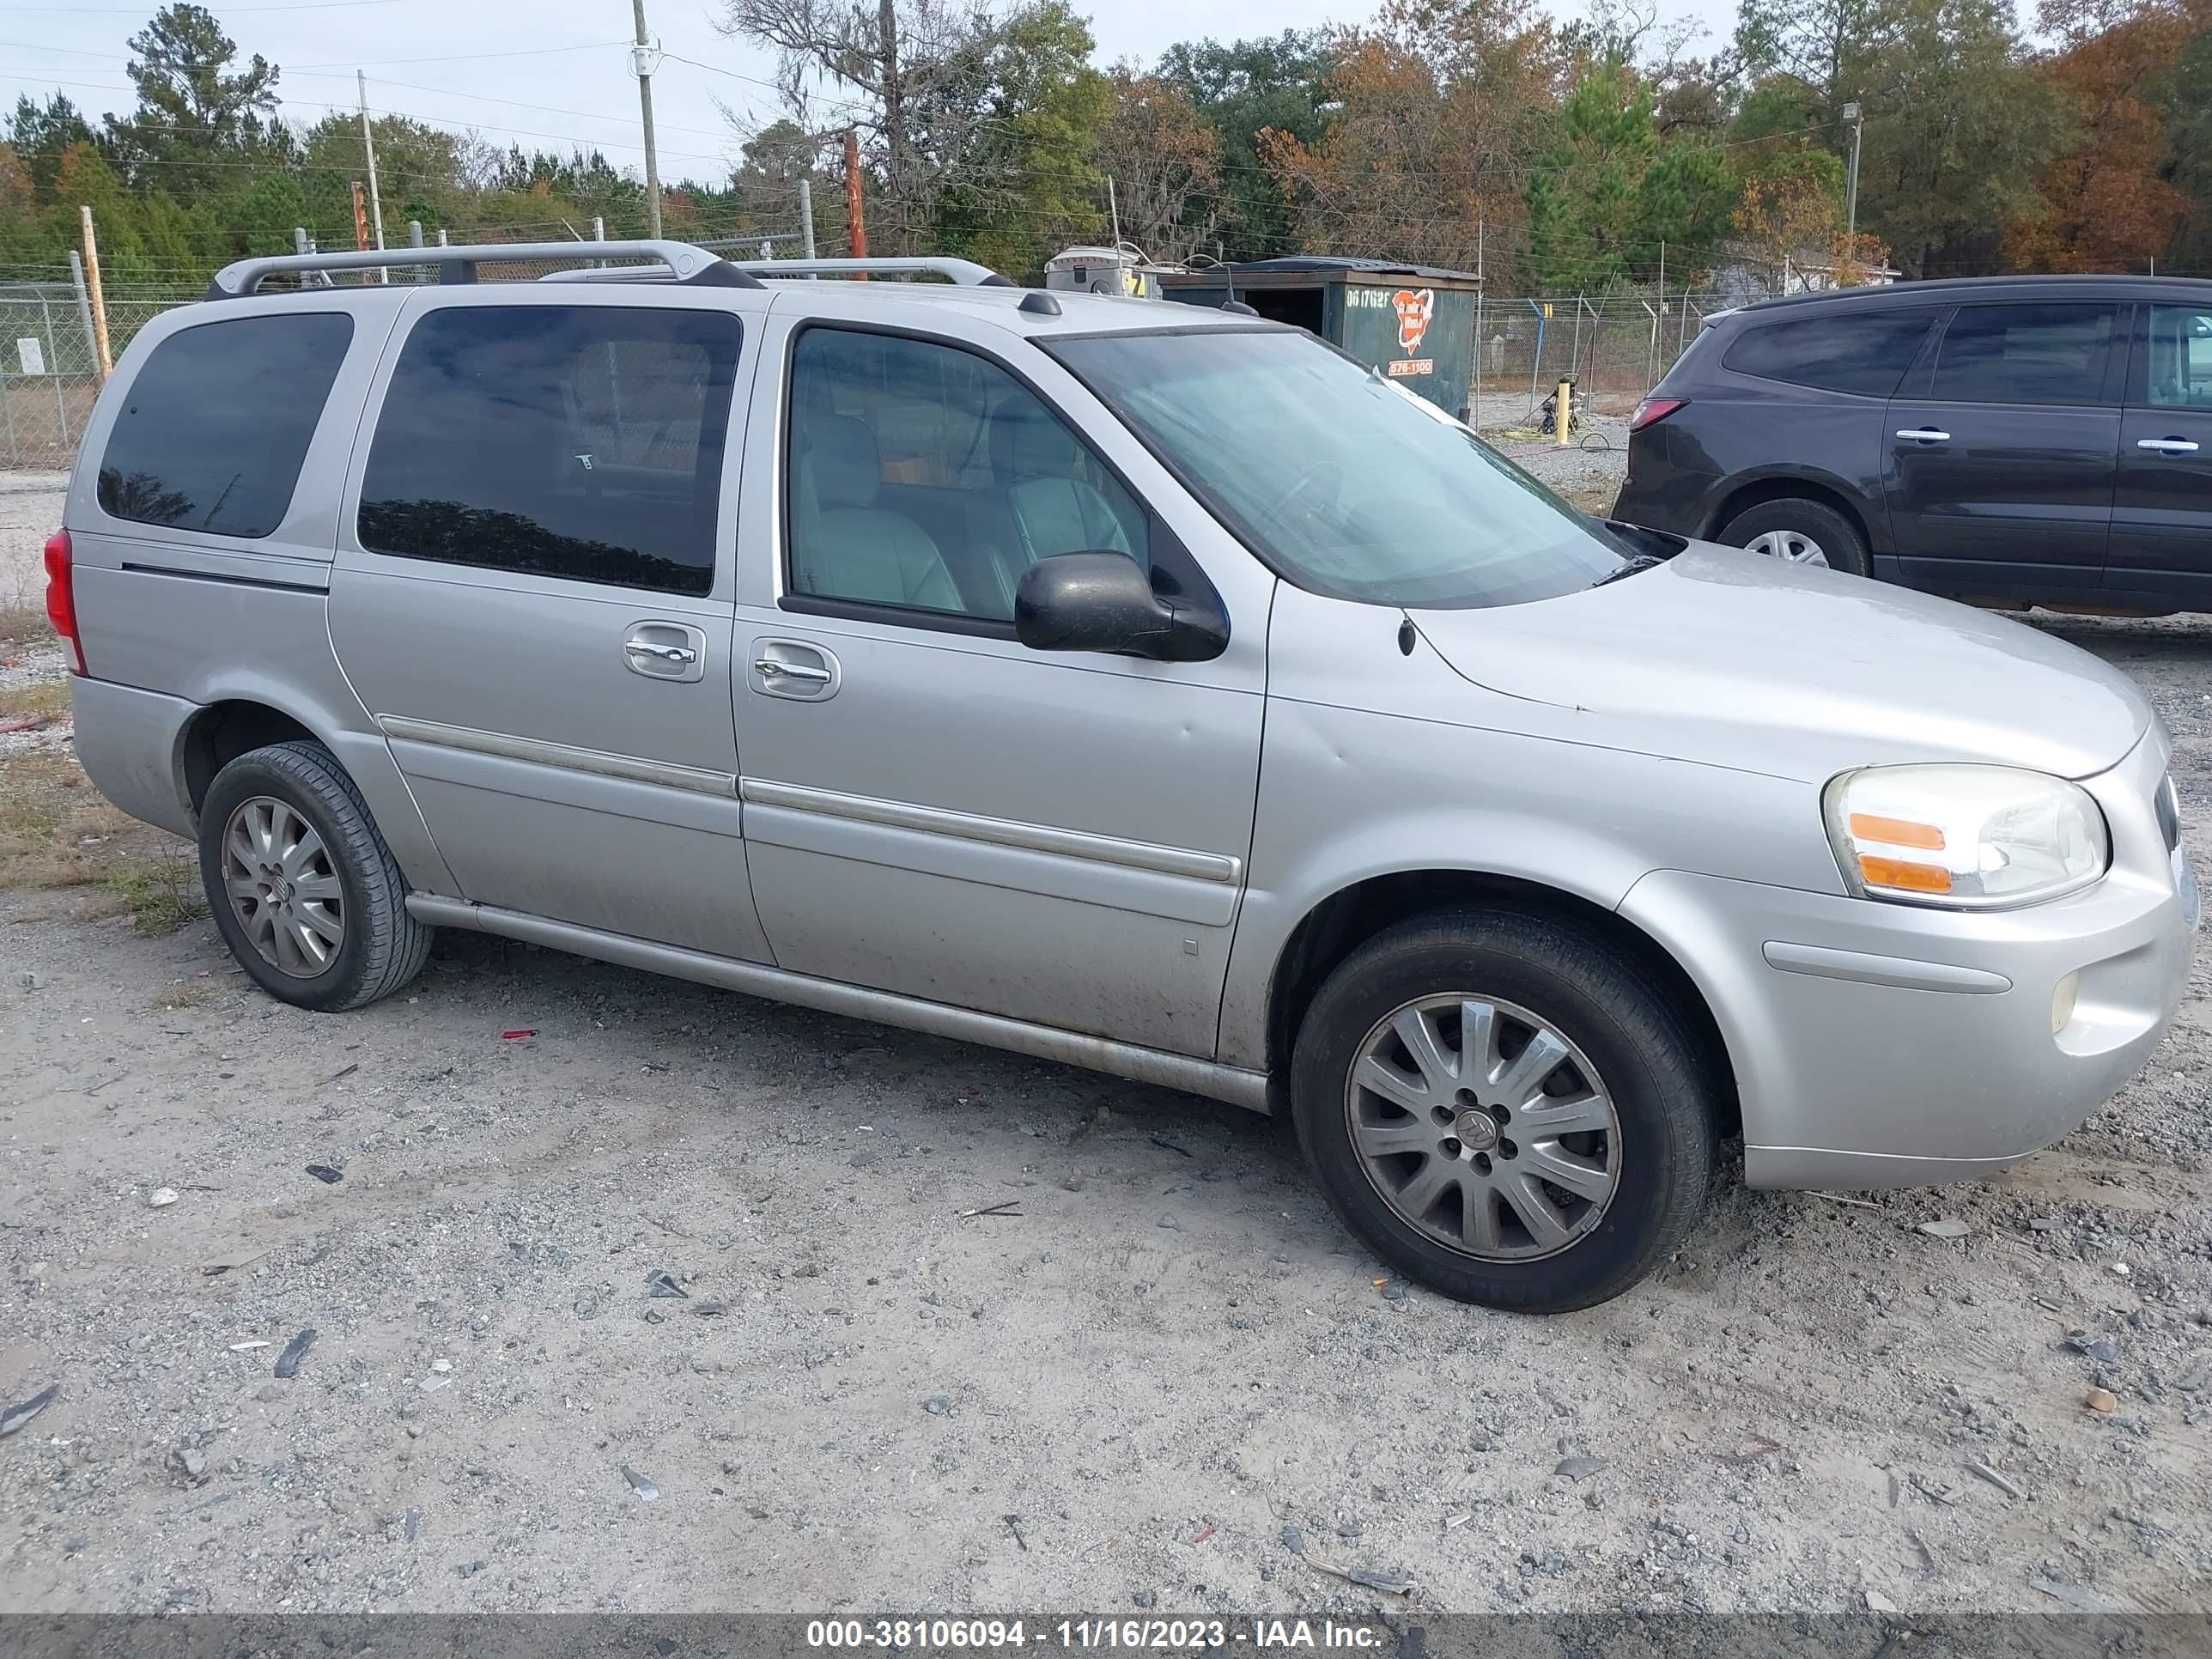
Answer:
(1614, 348)
(50, 364)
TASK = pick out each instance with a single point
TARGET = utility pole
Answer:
(645, 58)
(1852, 114)
(368, 144)
(807, 216)
(98, 297)
(856, 227)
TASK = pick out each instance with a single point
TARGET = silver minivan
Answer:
(1139, 686)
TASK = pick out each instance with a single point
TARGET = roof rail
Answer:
(686, 263)
(965, 272)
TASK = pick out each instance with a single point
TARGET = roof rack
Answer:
(965, 272)
(682, 260)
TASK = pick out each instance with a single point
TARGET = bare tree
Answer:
(920, 70)
(1165, 163)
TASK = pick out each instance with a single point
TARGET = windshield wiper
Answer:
(1641, 561)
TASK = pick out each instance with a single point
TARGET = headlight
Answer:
(1965, 837)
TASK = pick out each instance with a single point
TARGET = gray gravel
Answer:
(1814, 1406)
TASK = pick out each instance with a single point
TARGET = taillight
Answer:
(1652, 411)
(61, 595)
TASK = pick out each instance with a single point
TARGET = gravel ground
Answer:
(1163, 1379)
(1588, 471)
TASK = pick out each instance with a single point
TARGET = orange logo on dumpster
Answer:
(1415, 308)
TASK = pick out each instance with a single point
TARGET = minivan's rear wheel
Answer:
(301, 886)
(1505, 1109)
(1799, 532)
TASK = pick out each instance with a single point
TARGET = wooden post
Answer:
(99, 300)
(855, 224)
(360, 218)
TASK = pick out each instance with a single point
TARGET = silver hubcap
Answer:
(282, 888)
(1483, 1128)
(1790, 546)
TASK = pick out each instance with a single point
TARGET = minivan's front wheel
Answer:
(303, 887)
(1798, 532)
(1504, 1108)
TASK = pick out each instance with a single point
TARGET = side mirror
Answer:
(1105, 602)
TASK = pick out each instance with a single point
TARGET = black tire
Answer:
(382, 947)
(1827, 528)
(1604, 1004)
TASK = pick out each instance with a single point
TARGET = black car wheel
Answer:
(1505, 1108)
(1799, 532)
(301, 885)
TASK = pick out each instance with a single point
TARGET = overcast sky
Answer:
(548, 72)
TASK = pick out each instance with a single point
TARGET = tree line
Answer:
(1556, 157)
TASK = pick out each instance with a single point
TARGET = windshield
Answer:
(1343, 483)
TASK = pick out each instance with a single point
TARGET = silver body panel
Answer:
(1102, 859)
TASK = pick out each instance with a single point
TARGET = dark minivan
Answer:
(2019, 440)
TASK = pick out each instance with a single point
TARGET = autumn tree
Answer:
(1277, 84)
(1164, 163)
(1433, 115)
(2102, 203)
(1957, 124)
(1026, 185)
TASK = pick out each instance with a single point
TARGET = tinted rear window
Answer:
(1866, 351)
(212, 433)
(579, 442)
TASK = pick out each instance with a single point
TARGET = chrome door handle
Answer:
(1926, 435)
(676, 653)
(2167, 446)
(768, 668)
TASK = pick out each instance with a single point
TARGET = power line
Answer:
(139, 11)
(717, 159)
(517, 103)
(466, 57)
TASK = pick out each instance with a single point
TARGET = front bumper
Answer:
(1882, 1045)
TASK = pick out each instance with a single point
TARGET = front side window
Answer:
(1863, 351)
(928, 478)
(2180, 358)
(1340, 480)
(578, 441)
(2024, 354)
(213, 432)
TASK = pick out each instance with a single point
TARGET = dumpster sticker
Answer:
(1405, 366)
(1415, 308)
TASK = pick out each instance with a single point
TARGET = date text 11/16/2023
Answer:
(1142, 1635)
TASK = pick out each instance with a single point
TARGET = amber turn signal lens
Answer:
(1901, 873)
(1896, 832)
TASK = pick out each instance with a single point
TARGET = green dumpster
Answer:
(1414, 323)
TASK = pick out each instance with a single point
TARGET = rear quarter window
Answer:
(214, 429)
(1864, 352)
